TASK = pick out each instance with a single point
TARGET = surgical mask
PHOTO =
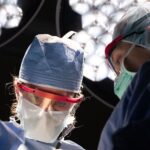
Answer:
(122, 81)
(41, 125)
(125, 77)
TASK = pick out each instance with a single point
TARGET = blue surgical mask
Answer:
(122, 81)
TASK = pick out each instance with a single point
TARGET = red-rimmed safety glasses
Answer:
(109, 49)
(48, 95)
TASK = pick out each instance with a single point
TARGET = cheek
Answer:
(117, 67)
(136, 59)
(117, 57)
(116, 61)
(61, 106)
(131, 64)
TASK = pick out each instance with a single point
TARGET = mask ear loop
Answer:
(111, 65)
(130, 49)
(110, 59)
(69, 34)
(128, 52)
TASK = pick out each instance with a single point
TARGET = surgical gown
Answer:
(12, 138)
(128, 127)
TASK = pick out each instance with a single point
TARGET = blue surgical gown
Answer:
(128, 127)
(12, 138)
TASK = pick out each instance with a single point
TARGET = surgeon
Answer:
(48, 91)
(128, 127)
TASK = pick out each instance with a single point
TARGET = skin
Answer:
(133, 61)
(46, 103)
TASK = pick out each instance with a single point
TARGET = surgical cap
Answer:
(133, 26)
(54, 62)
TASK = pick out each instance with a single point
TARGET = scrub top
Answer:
(128, 127)
(12, 138)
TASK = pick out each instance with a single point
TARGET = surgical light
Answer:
(10, 14)
(98, 20)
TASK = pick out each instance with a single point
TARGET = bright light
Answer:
(111, 75)
(89, 48)
(81, 8)
(94, 31)
(14, 15)
(102, 72)
(12, 2)
(126, 3)
(95, 71)
(99, 18)
(117, 15)
(100, 50)
(82, 37)
(88, 19)
(97, 3)
(89, 72)
(107, 9)
(3, 17)
(141, 1)
(10, 14)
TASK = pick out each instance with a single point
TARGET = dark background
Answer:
(55, 18)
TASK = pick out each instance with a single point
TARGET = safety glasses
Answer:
(47, 100)
(49, 95)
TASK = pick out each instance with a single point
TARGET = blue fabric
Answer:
(12, 138)
(53, 62)
(129, 124)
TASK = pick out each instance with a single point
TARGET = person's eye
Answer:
(61, 106)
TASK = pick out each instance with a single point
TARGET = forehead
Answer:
(121, 47)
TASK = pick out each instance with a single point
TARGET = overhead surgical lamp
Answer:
(10, 14)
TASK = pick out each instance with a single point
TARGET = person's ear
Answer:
(119, 54)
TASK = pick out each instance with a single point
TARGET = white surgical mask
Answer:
(41, 125)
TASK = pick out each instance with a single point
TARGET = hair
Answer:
(15, 101)
(11, 90)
